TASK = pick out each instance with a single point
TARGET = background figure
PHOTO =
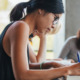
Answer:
(71, 47)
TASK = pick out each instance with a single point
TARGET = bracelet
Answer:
(41, 65)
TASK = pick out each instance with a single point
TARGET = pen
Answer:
(78, 56)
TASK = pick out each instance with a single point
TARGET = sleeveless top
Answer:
(6, 72)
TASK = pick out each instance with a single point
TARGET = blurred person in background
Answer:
(71, 48)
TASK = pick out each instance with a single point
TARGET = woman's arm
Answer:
(46, 65)
(42, 50)
(53, 73)
(18, 42)
(41, 55)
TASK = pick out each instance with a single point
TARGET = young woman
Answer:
(14, 52)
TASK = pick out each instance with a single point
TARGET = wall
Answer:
(59, 38)
(72, 17)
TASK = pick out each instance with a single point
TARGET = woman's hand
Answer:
(50, 65)
(57, 65)
(40, 35)
(74, 69)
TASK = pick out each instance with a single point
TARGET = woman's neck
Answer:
(31, 21)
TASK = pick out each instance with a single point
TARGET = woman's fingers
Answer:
(37, 33)
(76, 72)
(74, 69)
(71, 60)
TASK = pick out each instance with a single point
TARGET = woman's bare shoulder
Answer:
(19, 28)
(19, 24)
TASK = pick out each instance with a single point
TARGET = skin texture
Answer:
(15, 44)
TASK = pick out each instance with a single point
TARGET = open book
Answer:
(65, 62)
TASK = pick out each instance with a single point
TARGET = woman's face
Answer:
(45, 21)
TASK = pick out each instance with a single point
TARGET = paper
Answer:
(73, 77)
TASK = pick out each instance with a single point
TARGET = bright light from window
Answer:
(17, 1)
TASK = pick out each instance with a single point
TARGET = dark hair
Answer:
(78, 43)
(53, 6)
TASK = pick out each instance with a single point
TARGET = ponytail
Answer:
(18, 10)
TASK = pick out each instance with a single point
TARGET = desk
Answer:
(73, 77)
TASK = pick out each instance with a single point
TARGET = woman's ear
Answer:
(39, 11)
